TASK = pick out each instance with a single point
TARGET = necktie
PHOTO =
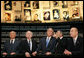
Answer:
(74, 42)
(29, 43)
(12, 46)
(47, 41)
(11, 41)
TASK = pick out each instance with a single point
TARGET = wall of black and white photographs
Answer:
(43, 11)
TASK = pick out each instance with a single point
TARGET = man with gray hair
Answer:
(11, 46)
(28, 46)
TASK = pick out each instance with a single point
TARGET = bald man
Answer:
(28, 46)
(74, 44)
(11, 46)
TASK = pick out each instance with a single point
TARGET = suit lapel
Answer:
(77, 42)
(44, 43)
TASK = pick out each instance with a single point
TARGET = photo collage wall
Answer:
(40, 11)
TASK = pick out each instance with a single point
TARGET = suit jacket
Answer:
(76, 49)
(42, 45)
(11, 48)
(60, 46)
(24, 47)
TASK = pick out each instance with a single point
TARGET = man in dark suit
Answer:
(11, 46)
(28, 46)
(47, 44)
(61, 43)
(74, 44)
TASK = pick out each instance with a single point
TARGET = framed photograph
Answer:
(65, 15)
(56, 14)
(64, 4)
(46, 15)
(46, 4)
(27, 4)
(8, 16)
(35, 14)
(35, 4)
(8, 5)
(17, 17)
(17, 6)
(55, 3)
(27, 14)
(75, 14)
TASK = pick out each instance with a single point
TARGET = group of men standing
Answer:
(48, 46)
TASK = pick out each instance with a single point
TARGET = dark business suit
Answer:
(60, 46)
(24, 47)
(42, 45)
(76, 49)
(8, 48)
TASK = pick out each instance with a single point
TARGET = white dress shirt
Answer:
(48, 38)
(61, 37)
(30, 44)
(13, 41)
(75, 39)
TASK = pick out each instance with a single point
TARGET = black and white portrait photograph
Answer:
(27, 14)
(65, 15)
(64, 4)
(27, 4)
(55, 3)
(56, 14)
(35, 4)
(46, 15)
(8, 5)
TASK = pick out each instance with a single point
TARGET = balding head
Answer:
(50, 32)
(73, 32)
(12, 35)
(29, 34)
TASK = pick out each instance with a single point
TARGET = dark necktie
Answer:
(11, 46)
(29, 43)
(58, 40)
(11, 41)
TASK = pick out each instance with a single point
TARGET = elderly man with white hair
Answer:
(28, 46)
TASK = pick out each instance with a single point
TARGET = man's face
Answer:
(73, 32)
(59, 33)
(49, 32)
(12, 35)
(29, 35)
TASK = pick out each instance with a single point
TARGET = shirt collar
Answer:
(75, 37)
(61, 37)
(13, 40)
(28, 40)
(48, 37)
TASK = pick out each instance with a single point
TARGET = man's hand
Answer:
(66, 52)
(34, 53)
(13, 53)
(4, 53)
(48, 53)
(27, 54)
